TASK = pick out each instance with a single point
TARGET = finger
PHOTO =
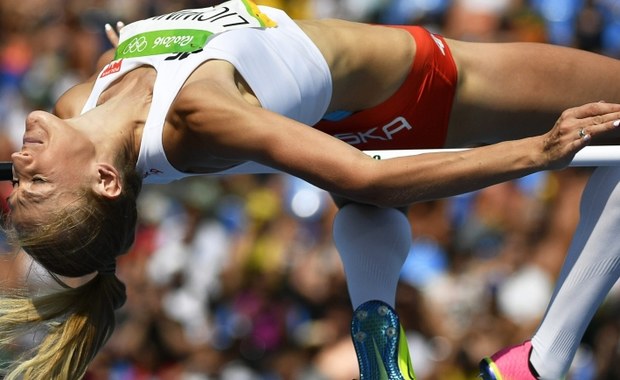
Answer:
(590, 127)
(584, 134)
(593, 110)
(111, 34)
(606, 121)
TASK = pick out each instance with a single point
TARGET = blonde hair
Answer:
(77, 326)
(84, 238)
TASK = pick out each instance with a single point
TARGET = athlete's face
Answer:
(54, 162)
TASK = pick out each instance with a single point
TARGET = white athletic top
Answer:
(283, 67)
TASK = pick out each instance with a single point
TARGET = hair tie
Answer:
(108, 269)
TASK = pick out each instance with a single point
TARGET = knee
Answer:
(358, 227)
(359, 218)
(342, 202)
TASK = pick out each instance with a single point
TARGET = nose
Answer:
(35, 116)
(36, 121)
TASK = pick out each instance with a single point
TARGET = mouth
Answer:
(33, 136)
(29, 140)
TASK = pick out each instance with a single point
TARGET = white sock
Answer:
(591, 268)
(373, 244)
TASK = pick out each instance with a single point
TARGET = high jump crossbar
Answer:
(600, 155)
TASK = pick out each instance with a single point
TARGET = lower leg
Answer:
(591, 268)
(373, 244)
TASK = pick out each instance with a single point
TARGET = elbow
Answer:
(380, 199)
(367, 190)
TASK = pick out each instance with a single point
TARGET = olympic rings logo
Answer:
(137, 45)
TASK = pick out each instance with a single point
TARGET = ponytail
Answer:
(78, 320)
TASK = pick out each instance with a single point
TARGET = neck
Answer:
(114, 125)
(121, 112)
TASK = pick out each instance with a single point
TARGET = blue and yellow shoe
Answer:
(380, 343)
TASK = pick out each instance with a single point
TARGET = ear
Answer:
(108, 182)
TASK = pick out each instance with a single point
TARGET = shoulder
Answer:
(214, 85)
(70, 104)
(208, 126)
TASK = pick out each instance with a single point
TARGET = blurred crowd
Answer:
(237, 278)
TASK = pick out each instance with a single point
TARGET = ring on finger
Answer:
(582, 133)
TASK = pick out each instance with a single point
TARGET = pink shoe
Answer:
(512, 363)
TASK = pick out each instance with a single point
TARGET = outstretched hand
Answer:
(113, 33)
(575, 129)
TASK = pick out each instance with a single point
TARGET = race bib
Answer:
(187, 30)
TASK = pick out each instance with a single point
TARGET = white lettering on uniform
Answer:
(395, 126)
(439, 44)
(386, 133)
(176, 40)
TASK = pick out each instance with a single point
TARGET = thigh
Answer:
(513, 90)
